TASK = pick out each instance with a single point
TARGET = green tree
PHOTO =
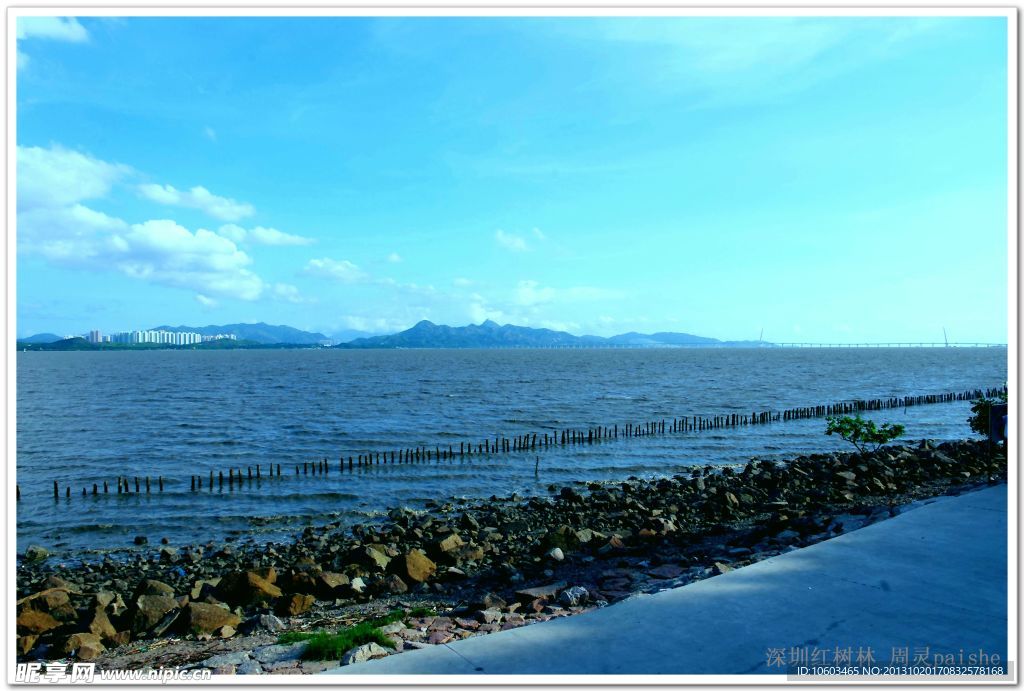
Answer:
(862, 433)
(980, 410)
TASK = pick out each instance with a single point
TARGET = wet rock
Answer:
(666, 571)
(574, 596)
(36, 553)
(226, 631)
(31, 621)
(449, 544)
(150, 586)
(262, 622)
(141, 540)
(488, 616)
(246, 588)
(24, 644)
(96, 621)
(85, 646)
(394, 584)
(492, 601)
(415, 566)
(719, 568)
(150, 610)
(204, 618)
(330, 585)
(295, 605)
(202, 589)
(549, 592)
(370, 557)
(556, 554)
(439, 637)
(363, 653)
(54, 601)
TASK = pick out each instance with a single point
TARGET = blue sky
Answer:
(823, 179)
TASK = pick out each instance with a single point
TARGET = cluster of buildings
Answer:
(162, 337)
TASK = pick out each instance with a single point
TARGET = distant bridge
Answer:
(888, 345)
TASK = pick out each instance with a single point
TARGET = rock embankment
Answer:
(488, 566)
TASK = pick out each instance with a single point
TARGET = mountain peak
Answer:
(489, 323)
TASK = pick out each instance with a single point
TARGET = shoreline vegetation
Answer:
(346, 593)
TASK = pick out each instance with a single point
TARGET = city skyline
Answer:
(822, 179)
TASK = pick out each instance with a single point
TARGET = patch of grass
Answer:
(289, 637)
(331, 646)
(389, 618)
(324, 645)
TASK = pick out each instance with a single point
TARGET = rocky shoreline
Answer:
(467, 568)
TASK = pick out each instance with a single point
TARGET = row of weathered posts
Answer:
(529, 442)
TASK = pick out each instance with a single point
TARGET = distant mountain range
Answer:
(489, 334)
(426, 334)
(40, 338)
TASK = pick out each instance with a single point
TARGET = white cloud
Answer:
(210, 133)
(205, 301)
(199, 198)
(262, 236)
(52, 28)
(531, 293)
(461, 282)
(288, 293)
(58, 177)
(54, 224)
(511, 241)
(749, 59)
(394, 258)
(23, 60)
(338, 270)
(539, 234)
(164, 252)
(236, 234)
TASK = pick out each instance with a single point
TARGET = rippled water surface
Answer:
(85, 417)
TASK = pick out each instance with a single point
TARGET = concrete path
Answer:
(934, 576)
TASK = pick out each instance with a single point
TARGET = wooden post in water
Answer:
(106, 489)
(95, 489)
(147, 484)
(193, 484)
(17, 492)
(136, 484)
(56, 492)
(67, 492)
(160, 482)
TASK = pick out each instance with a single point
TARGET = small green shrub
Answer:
(980, 410)
(862, 433)
(422, 612)
(324, 645)
(331, 646)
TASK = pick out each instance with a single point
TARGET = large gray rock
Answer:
(273, 654)
(363, 653)
(249, 667)
(224, 659)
